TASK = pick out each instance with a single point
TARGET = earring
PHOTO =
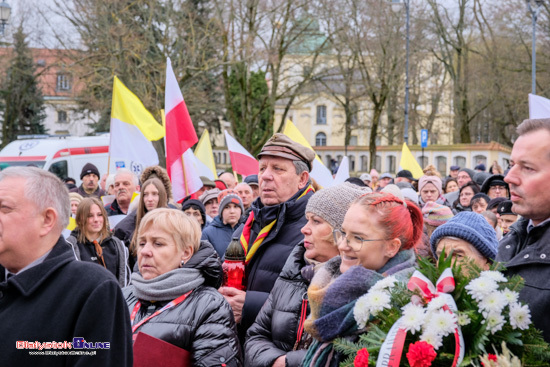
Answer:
(182, 264)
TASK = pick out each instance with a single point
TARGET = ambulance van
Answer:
(63, 156)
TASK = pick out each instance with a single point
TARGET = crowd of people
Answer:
(308, 253)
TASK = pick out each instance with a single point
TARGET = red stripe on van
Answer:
(79, 151)
(21, 159)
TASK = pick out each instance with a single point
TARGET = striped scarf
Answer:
(264, 232)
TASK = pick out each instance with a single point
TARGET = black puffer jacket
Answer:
(203, 324)
(273, 334)
(124, 230)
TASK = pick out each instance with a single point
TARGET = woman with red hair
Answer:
(376, 240)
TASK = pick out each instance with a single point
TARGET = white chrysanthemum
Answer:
(497, 276)
(495, 322)
(493, 302)
(377, 301)
(436, 303)
(463, 319)
(520, 316)
(413, 318)
(431, 337)
(442, 322)
(480, 287)
(361, 312)
(386, 283)
(511, 296)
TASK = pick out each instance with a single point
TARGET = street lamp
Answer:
(533, 6)
(5, 11)
(406, 4)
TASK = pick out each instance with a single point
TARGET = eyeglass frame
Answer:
(338, 231)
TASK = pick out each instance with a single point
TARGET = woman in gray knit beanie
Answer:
(276, 327)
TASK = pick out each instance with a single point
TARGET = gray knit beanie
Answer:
(332, 203)
(472, 228)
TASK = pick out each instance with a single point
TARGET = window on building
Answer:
(378, 163)
(322, 115)
(479, 159)
(321, 139)
(390, 161)
(224, 158)
(364, 163)
(353, 141)
(460, 161)
(63, 81)
(354, 114)
(422, 161)
(62, 116)
(441, 164)
(351, 163)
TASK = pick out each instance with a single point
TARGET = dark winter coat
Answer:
(115, 255)
(124, 230)
(203, 324)
(58, 300)
(80, 190)
(267, 263)
(113, 209)
(219, 235)
(274, 332)
(528, 255)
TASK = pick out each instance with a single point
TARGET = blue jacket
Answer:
(219, 235)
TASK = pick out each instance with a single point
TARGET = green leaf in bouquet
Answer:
(513, 338)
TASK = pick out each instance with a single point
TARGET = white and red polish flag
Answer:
(242, 162)
(180, 136)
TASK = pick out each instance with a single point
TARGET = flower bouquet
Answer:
(446, 315)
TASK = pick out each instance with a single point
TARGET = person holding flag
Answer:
(272, 229)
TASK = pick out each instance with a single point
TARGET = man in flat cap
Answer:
(273, 226)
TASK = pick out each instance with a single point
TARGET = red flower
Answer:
(492, 357)
(421, 354)
(362, 358)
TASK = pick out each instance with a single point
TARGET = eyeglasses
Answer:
(355, 242)
(497, 188)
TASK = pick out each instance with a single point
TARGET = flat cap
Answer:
(280, 145)
(207, 182)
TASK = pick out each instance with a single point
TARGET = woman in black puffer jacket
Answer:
(175, 265)
(275, 338)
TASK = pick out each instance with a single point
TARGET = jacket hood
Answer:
(158, 171)
(206, 260)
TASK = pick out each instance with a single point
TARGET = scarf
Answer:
(250, 250)
(333, 295)
(167, 286)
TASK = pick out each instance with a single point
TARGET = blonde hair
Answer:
(185, 231)
(81, 219)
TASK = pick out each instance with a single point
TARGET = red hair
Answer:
(396, 219)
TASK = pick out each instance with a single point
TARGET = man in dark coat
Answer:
(278, 215)
(526, 248)
(50, 304)
(90, 182)
(126, 183)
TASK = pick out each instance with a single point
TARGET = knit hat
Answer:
(87, 169)
(332, 203)
(436, 214)
(394, 190)
(197, 205)
(455, 168)
(356, 181)
(505, 208)
(209, 195)
(365, 177)
(227, 197)
(470, 172)
(480, 177)
(408, 193)
(436, 181)
(75, 196)
(472, 228)
(480, 167)
(374, 173)
(481, 195)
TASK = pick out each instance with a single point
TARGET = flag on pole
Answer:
(319, 172)
(180, 132)
(186, 177)
(539, 107)
(180, 137)
(203, 152)
(132, 129)
(343, 171)
(242, 162)
(408, 162)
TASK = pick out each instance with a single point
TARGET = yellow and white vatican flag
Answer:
(319, 172)
(133, 128)
(203, 152)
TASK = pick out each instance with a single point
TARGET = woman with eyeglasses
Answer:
(465, 196)
(376, 240)
(276, 338)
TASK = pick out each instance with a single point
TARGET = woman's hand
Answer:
(280, 362)
(236, 299)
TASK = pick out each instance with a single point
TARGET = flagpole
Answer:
(184, 177)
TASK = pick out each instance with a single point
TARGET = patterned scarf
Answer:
(264, 232)
(332, 297)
